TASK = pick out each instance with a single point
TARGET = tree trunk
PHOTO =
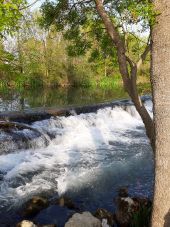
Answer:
(160, 76)
(129, 78)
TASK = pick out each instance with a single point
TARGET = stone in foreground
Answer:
(86, 219)
(26, 223)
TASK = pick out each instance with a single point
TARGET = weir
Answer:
(19, 130)
(32, 115)
(87, 156)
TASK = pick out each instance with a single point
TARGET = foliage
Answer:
(53, 58)
(10, 13)
(82, 25)
(142, 217)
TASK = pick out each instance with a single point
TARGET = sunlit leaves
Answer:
(82, 26)
(10, 13)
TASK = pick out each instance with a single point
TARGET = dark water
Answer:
(56, 97)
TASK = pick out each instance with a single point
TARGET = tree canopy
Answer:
(81, 24)
(10, 13)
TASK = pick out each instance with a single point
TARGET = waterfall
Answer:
(89, 153)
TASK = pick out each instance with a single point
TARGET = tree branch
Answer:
(119, 44)
(143, 56)
(28, 6)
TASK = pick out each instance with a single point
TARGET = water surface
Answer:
(11, 100)
(88, 157)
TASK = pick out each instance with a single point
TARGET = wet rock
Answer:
(26, 223)
(140, 202)
(128, 208)
(124, 208)
(123, 214)
(86, 219)
(105, 217)
(123, 192)
(54, 214)
(104, 223)
(66, 201)
(34, 206)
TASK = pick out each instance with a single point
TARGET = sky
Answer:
(36, 5)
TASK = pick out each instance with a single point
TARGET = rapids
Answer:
(87, 156)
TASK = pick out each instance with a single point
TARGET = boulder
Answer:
(140, 202)
(123, 192)
(26, 223)
(34, 206)
(128, 208)
(105, 217)
(86, 219)
(123, 214)
(124, 208)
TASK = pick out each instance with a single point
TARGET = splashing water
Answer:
(89, 156)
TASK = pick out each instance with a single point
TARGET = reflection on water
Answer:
(57, 97)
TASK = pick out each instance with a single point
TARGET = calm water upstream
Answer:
(88, 156)
(58, 97)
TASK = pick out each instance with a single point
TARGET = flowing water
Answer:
(87, 156)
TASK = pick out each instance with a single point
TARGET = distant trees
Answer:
(45, 55)
(107, 23)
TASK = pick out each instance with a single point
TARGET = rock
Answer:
(66, 201)
(124, 208)
(127, 207)
(104, 223)
(123, 192)
(105, 217)
(34, 206)
(140, 202)
(123, 214)
(86, 219)
(26, 223)
(56, 214)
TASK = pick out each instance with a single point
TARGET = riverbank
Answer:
(22, 99)
(130, 211)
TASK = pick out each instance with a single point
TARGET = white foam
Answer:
(83, 146)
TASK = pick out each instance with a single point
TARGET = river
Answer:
(88, 157)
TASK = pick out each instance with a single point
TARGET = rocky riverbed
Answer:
(63, 212)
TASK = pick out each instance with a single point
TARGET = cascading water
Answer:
(89, 156)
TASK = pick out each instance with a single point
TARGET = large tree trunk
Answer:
(161, 97)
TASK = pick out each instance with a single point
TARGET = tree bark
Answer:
(129, 78)
(160, 76)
